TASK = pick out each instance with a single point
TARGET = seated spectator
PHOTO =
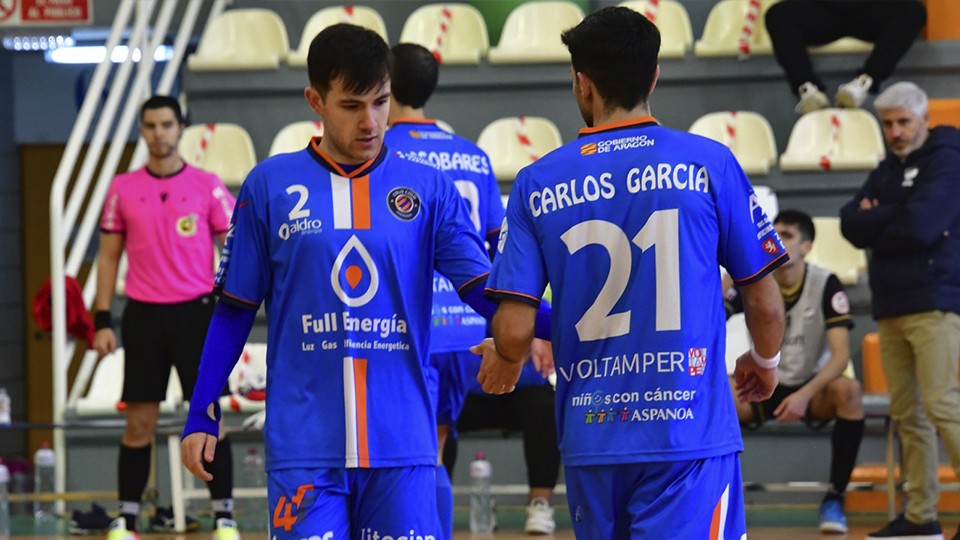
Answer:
(794, 25)
(814, 355)
(530, 410)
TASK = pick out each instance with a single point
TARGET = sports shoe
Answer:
(832, 519)
(93, 522)
(811, 99)
(118, 531)
(900, 528)
(226, 529)
(539, 517)
(851, 95)
(163, 521)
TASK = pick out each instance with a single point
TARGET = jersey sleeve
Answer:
(519, 272)
(221, 206)
(836, 306)
(244, 275)
(111, 220)
(750, 248)
(459, 253)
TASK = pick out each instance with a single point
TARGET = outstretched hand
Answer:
(497, 374)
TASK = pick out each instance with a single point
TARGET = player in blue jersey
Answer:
(628, 225)
(455, 326)
(340, 241)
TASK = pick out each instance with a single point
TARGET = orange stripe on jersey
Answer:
(360, 193)
(615, 125)
(360, 389)
(425, 121)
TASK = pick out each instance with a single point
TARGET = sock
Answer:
(221, 487)
(845, 443)
(133, 470)
(444, 503)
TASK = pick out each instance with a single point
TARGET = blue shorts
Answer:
(353, 503)
(454, 372)
(700, 499)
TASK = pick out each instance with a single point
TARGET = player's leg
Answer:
(533, 406)
(594, 502)
(450, 373)
(187, 327)
(309, 503)
(145, 375)
(395, 502)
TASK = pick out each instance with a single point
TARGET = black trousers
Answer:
(530, 410)
(891, 25)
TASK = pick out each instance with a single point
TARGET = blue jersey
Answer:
(345, 262)
(456, 326)
(628, 224)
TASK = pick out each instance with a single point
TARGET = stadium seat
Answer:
(834, 139)
(747, 134)
(768, 201)
(454, 33)
(843, 45)
(832, 251)
(725, 26)
(676, 34)
(106, 388)
(248, 381)
(531, 33)
(241, 39)
(517, 141)
(223, 149)
(944, 112)
(358, 15)
(294, 137)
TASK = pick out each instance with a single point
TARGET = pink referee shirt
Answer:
(169, 225)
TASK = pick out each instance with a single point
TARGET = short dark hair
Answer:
(617, 48)
(800, 219)
(162, 102)
(413, 76)
(345, 51)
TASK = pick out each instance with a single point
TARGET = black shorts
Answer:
(763, 411)
(157, 336)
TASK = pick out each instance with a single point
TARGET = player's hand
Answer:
(541, 354)
(105, 341)
(497, 375)
(793, 408)
(753, 383)
(196, 448)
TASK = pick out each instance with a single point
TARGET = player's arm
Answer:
(108, 262)
(513, 329)
(756, 372)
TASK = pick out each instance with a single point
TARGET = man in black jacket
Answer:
(907, 214)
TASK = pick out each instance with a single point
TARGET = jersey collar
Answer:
(334, 167)
(421, 121)
(636, 122)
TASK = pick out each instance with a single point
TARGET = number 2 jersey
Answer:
(628, 224)
(345, 263)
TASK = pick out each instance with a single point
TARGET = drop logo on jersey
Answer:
(352, 269)
(404, 203)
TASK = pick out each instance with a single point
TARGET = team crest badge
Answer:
(771, 247)
(697, 360)
(404, 203)
(187, 225)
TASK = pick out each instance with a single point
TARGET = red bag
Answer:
(79, 323)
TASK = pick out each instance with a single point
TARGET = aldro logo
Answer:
(352, 269)
(299, 221)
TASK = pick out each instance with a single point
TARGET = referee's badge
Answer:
(187, 225)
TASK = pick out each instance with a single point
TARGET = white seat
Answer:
(834, 139)
(248, 381)
(106, 389)
(295, 137)
(517, 141)
(768, 201)
(223, 149)
(676, 34)
(843, 45)
(358, 15)
(531, 33)
(454, 33)
(747, 134)
(832, 251)
(241, 39)
(724, 27)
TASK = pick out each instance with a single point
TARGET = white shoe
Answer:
(540, 517)
(118, 531)
(811, 99)
(851, 95)
(226, 529)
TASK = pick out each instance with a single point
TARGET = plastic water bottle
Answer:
(4, 502)
(44, 463)
(482, 520)
(4, 407)
(255, 476)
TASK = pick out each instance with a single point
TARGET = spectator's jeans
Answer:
(921, 356)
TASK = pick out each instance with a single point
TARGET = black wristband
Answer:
(102, 319)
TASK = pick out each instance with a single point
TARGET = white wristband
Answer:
(767, 363)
